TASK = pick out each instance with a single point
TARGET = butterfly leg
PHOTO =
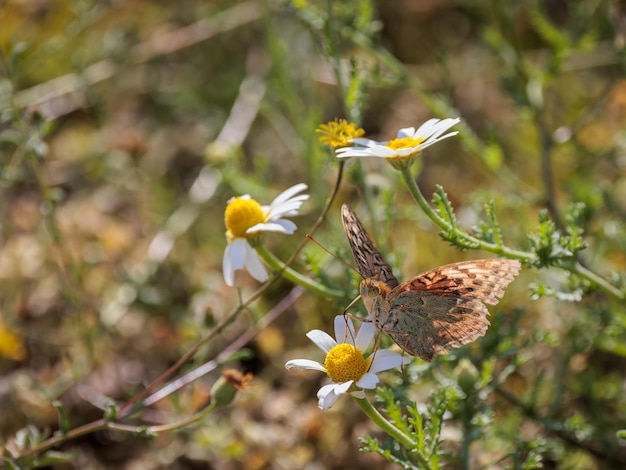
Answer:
(404, 377)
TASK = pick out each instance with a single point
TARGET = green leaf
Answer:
(64, 424)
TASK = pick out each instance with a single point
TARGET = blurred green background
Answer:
(126, 126)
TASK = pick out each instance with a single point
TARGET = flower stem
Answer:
(593, 278)
(446, 226)
(499, 249)
(296, 277)
(405, 441)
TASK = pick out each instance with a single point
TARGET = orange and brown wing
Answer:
(445, 308)
(483, 279)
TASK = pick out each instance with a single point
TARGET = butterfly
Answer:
(435, 311)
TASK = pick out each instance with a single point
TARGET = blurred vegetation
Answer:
(126, 126)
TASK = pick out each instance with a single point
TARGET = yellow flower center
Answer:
(404, 143)
(240, 215)
(345, 362)
(338, 133)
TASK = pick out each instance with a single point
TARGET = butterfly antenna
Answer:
(350, 305)
(310, 237)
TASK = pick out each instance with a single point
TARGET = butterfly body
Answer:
(435, 311)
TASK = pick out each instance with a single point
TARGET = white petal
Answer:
(426, 129)
(365, 335)
(352, 154)
(342, 388)
(381, 151)
(322, 340)
(288, 226)
(238, 248)
(369, 380)
(254, 266)
(353, 151)
(281, 225)
(376, 150)
(438, 139)
(407, 151)
(234, 259)
(406, 132)
(447, 124)
(327, 397)
(286, 194)
(384, 359)
(227, 267)
(433, 128)
(329, 394)
(287, 209)
(272, 227)
(326, 389)
(365, 142)
(344, 329)
(305, 364)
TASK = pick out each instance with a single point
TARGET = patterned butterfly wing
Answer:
(369, 261)
(445, 308)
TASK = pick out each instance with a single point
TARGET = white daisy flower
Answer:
(407, 145)
(245, 219)
(345, 362)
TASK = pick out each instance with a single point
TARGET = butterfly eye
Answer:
(373, 291)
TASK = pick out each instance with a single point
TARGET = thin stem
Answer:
(128, 408)
(405, 441)
(296, 277)
(547, 170)
(170, 426)
(322, 216)
(359, 173)
(594, 279)
(68, 436)
(280, 308)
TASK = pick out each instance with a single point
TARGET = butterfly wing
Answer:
(369, 261)
(445, 308)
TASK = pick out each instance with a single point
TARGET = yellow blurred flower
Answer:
(339, 133)
(11, 344)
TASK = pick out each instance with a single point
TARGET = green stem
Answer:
(361, 182)
(296, 277)
(405, 441)
(597, 280)
(60, 439)
(498, 248)
(101, 424)
(446, 226)
(171, 426)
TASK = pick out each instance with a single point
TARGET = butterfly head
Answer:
(374, 295)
